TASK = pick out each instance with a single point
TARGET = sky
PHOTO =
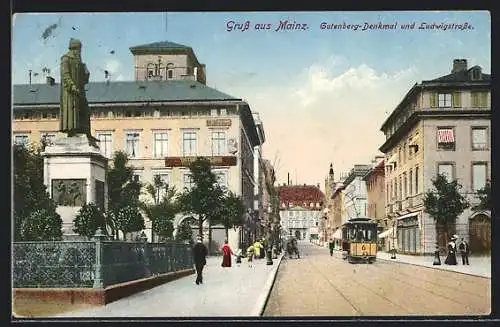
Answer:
(322, 94)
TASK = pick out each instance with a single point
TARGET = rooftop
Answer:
(129, 91)
(161, 45)
(300, 194)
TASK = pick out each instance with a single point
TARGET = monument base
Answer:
(75, 173)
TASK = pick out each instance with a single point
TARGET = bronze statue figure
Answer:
(74, 110)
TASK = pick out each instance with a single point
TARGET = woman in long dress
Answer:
(451, 258)
(226, 255)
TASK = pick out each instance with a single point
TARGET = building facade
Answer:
(161, 124)
(375, 186)
(355, 193)
(440, 126)
(300, 210)
(259, 179)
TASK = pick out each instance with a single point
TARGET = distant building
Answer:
(355, 193)
(300, 210)
(440, 126)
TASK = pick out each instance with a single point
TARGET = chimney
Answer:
(51, 80)
(459, 65)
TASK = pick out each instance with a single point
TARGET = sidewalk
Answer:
(479, 266)
(237, 291)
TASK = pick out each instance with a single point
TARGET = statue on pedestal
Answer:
(74, 108)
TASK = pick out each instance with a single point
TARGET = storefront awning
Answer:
(407, 215)
(388, 233)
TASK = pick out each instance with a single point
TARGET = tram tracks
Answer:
(431, 288)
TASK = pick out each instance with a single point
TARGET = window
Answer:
(213, 112)
(137, 176)
(49, 138)
(416, 181)
(223, 112)
(404, 152)
(151, 72)
(221, 178)
(187, 181)
(446, 169)
(189, 143)
(21, 139)
(156, 113)
(479, 99)
(405, 189)
(444, 100)
(387, 192)
(400, 193)
(170, 71)
(218, 143)
(479, 138)
(160, 144)
(410, 184)
(446, 138)
(105, 143)
(165, 177)
(132, 144)
(478, 175)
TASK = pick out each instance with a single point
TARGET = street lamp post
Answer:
(393, 255)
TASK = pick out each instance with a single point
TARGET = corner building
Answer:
(440, 126)
(164, 119)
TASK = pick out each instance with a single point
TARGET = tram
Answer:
(359, 240)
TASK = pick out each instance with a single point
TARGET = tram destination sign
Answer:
(214, 161)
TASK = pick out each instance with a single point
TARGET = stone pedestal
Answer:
(75, 173)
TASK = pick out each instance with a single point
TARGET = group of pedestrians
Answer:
(200, 252)
(463, 247)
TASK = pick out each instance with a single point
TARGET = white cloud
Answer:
(324, 117)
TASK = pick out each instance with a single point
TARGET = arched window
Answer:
(170, 71)
(150, 73)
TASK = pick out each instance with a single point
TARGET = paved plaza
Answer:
(237, 291)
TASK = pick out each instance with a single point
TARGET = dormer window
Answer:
(476, 73)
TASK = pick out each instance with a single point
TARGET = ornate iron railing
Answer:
(53, 264)
(99, 263)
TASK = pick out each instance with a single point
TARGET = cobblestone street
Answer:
(320, 285)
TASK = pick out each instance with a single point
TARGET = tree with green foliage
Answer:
(164, 208)
(444, 204)
(484, 195)
(129, 219)
(88, 219)
(184, 231)
(123, 193)
(42, 225)
(35, 216)
(205, 195)
(232, 213)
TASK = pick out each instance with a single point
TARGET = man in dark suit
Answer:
(464, 251)
(200, 252)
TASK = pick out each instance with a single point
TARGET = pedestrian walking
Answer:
(226, 255)
(464, 249)
(331, 246)
(262, 249)
(200, 252)
(250, 254)
(257, 247)
(451, 258)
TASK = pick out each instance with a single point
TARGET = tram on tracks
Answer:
(359, 240)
